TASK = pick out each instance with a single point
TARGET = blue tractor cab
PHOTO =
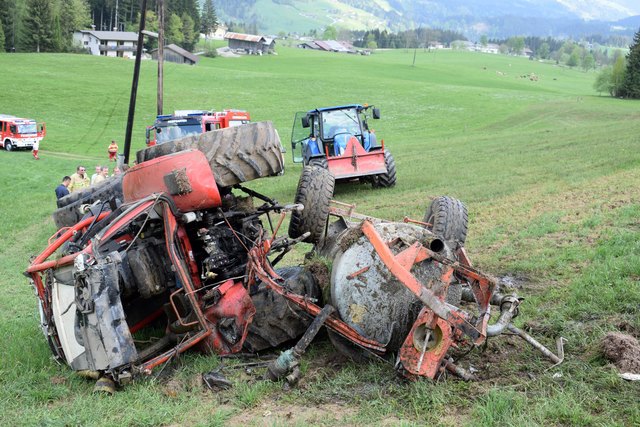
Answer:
(331, 128)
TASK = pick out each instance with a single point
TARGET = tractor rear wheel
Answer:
(388, 179)
(69, 213)
(315, 190)
(235, 155)
(449, 220)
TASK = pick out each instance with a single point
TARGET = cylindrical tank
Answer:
(366, 295)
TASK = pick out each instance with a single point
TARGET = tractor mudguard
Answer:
(370, 141)
(312, 147)
(340, 143)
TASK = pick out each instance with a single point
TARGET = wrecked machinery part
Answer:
(288, 360)
(216, 380)
(556, 359)
(400, 285)
(105, 385)
(508, 311)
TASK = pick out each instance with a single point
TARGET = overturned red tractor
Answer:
(184, 257)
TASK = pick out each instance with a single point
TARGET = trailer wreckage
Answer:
(179, 254)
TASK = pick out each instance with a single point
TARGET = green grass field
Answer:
(549, 170)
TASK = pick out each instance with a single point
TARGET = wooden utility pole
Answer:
(160, 54)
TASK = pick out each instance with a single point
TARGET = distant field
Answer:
(549, 170)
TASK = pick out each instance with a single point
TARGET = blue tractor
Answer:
(339, 139)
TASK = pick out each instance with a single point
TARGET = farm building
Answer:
(174, 53)
(328, 46)
(250, 43)
(120, 44)
(218, 34)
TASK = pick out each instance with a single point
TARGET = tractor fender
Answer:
(370, 141)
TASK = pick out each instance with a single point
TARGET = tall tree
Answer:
(604, 81)
(38, 26)
(189, 32)
(1, 36)
(617, 77)
(631, 82)
(74, 16)
(173, 30)
(150, 24)
(208, 19)
(588, 62)
(544, 50)
(574, 57)
(330, 33)
(8, 18)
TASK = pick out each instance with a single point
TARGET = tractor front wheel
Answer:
(320, 162)
(388, 179)
(8, 145)
(315, 190)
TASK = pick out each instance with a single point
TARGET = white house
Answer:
(490, 48)
(120, 44)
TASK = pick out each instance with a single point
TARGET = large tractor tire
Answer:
(320, 162)
(235, 155)
(277, 320)
(315, 190)
(69, 212)
(388, 179)
(449, 220)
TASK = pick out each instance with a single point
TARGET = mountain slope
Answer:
(472, 17)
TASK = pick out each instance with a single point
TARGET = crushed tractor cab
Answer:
(339, 139)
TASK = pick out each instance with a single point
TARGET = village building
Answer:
(120, 44)
(174, 53)
(250, 43)
(490, 48)
(328, 46)
(218, 34)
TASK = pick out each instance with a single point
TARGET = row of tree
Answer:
(622, 79)
(48, 25)
(585, 53)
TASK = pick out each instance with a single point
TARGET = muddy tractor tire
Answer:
(69, 213)
(235, 155)
(277, 320)
(449, 220)
(315, 190)
(388, 179)
(320, 162)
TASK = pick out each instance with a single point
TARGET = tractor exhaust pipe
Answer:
(436, 245)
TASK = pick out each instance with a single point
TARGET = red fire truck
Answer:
(19, 133)
(188, 122)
